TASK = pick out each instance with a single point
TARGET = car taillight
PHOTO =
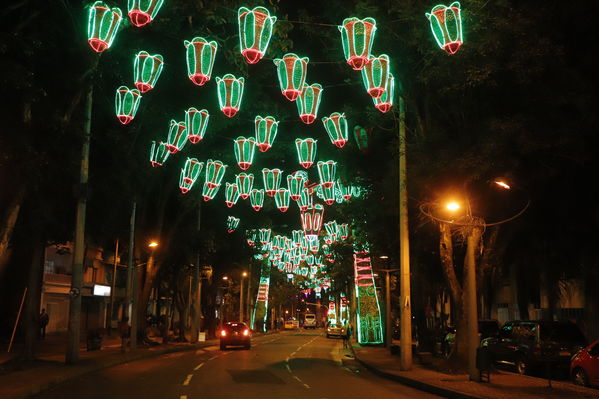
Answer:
(246, 332)
(223, 333)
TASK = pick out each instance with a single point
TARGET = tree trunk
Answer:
(7, 225)
(144, 295)
(32, 307)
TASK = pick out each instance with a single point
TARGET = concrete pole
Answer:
(404, 247)
(241, 300)
(471, 310)
(130, 310)
(388, 326)
(116, 256)
(74, 327)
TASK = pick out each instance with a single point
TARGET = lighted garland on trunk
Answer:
(272, 180)
(196, 123)
(446, 25)
(177, 136)
(200, 54)
(232, 223)
(266, 131)
(282, 199)
(336, 127)
(189, 174)
(158, 154)
(306, 151)
(142, 12)
(291, 70)
(146, 70)
(230, 93)
(231, 194)
(255, 30)
(126, 102)
(308, 102)
(375, 74)
(357, 36)
(102, 25)
(244, 182)
(245, 148)
(257, 199)
(385, 101)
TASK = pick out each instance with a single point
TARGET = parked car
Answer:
(527, 344)
(234, 333)
(336, 330)
(584, 367)
(486, 328)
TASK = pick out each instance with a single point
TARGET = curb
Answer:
(422, 386)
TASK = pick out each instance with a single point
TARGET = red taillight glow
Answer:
(223, 333)
(246, 332)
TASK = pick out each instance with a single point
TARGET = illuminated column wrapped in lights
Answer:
(245, 148)
(326, 172)
(336, 127)
(102, 25)
(257, 199)
(264, 236)
(209, 192)
(308, 102)
(343, 309)
(385, 101)
(177, 136)
(250, 237)
(146, 70)
(357, 36)
(292, 74)
(215, 171)
(142, 12)
(305, 200)
(196, 123)
(282, 199)
(255, 30)
(266, 131)
(200, 54)
(332, 312)
(232, 223)
(126, 103)
(245, 182)
(158, 154)
(272, 180)
(306, 151)
(375, 75)
(258, 320)
(446, 25)
(343, 231)
(231, 194)
(312, 221)
(189, 174)
(295, 185)
(369, 322)
(230, 92)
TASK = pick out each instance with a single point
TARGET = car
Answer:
(336, 330)
(291, 324)
(235, 334)
(309, 320)
(584, 367)
(528, 344)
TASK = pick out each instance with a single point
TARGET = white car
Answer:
(310, 320)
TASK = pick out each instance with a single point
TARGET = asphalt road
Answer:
(295, 364)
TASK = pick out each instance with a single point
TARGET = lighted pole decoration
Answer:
(255, 30)
(200, 54)
(158, 154)
(326, 172)
(189, 174)
(272, 180)
(292, 74)
(306, 151)
(232, 223)
(258, 320)
(375, 75)
(282, 199)
(336, 127)
(266, 131)
(244, 181)
(102, 25)
(308, 102)
(177, 136)
(245, 148)
(385, 101)
(142, 12)
(196, 123)
(146, 70)
(357, 36)
(369, 322)
(312, 221)
(231, 194)
(257, 199)
(446, 25)
(295, 184)
(230, 93)
(126, 102)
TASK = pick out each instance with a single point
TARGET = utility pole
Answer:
(131, 282)
(74, 328)
(471, 310)
(197, 286)
(404, 247)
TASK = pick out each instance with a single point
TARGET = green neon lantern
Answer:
(311, 220)
(343, 231)
(251, 236)
(357, 36)
(295, 185)
(245, 148)
(231, 194)
(200, 54)
(385, 101)
(158, 154)
(446, 24)
(306, 151)
(272, 180)
(326, 172)
(336, 127)
(244, 182)
(232, 223)
(305, 200)
(209, 192)
(282, 199)
(345, 191)
(375, 74)
(126, 102)
(328, 194)
(215, 171)
(257, 199)
(146, 70)
(266, 131)
(196, 123)
(292, 74)
(230, 93)
(308, 102)
(189, 174)
(331, 229)
(255, 30)
(142, 12)
(264, 236)
(102, 25)
(177, 136)
(362, 136)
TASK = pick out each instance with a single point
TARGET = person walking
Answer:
(44, 319)
(347, 336)
(125, 331)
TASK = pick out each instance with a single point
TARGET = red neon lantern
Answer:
(312, 221)
(375, 74)
(142, 12)
(292, 74)
(357, 36)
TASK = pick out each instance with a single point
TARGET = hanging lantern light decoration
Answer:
(282, 199)
(126, 103)
(328, 194)
(200, 54)
(331, 228)
(244, 182)
(142, 12)
(308, 102)
(196, 123)
(158, 154)
(272, 180)
(306, 151)
(257, 199)
(298, 236)
(146, 70)
(231, 194)
(344, 190)
(232, 223)
(264, 236)
(189, 174)
(446, 24)
(312, 221)
(230, 92)
(357, 36)
(343, 231)
(292, 74)
(209, 192)
(266, 131)
(102, 25)
(362, 134)
(177, 136)
(314, 245)
(305, 200)
(295, 185)
(255, 30)
(215, 171)
(336, 127)
(375, 75)
(250, 236)
(385, 101)
(245, 148)
(326, 172)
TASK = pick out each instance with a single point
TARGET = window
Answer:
(49, 267)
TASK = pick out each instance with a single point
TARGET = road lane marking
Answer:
(188, 379)
(213, 357)
(288, 368)
(199, 366)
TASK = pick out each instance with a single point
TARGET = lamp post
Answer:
(241, 315)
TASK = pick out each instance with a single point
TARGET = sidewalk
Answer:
(503, 385)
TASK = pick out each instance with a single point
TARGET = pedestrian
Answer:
(347, 336)
(125, 331)
(44, 319)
